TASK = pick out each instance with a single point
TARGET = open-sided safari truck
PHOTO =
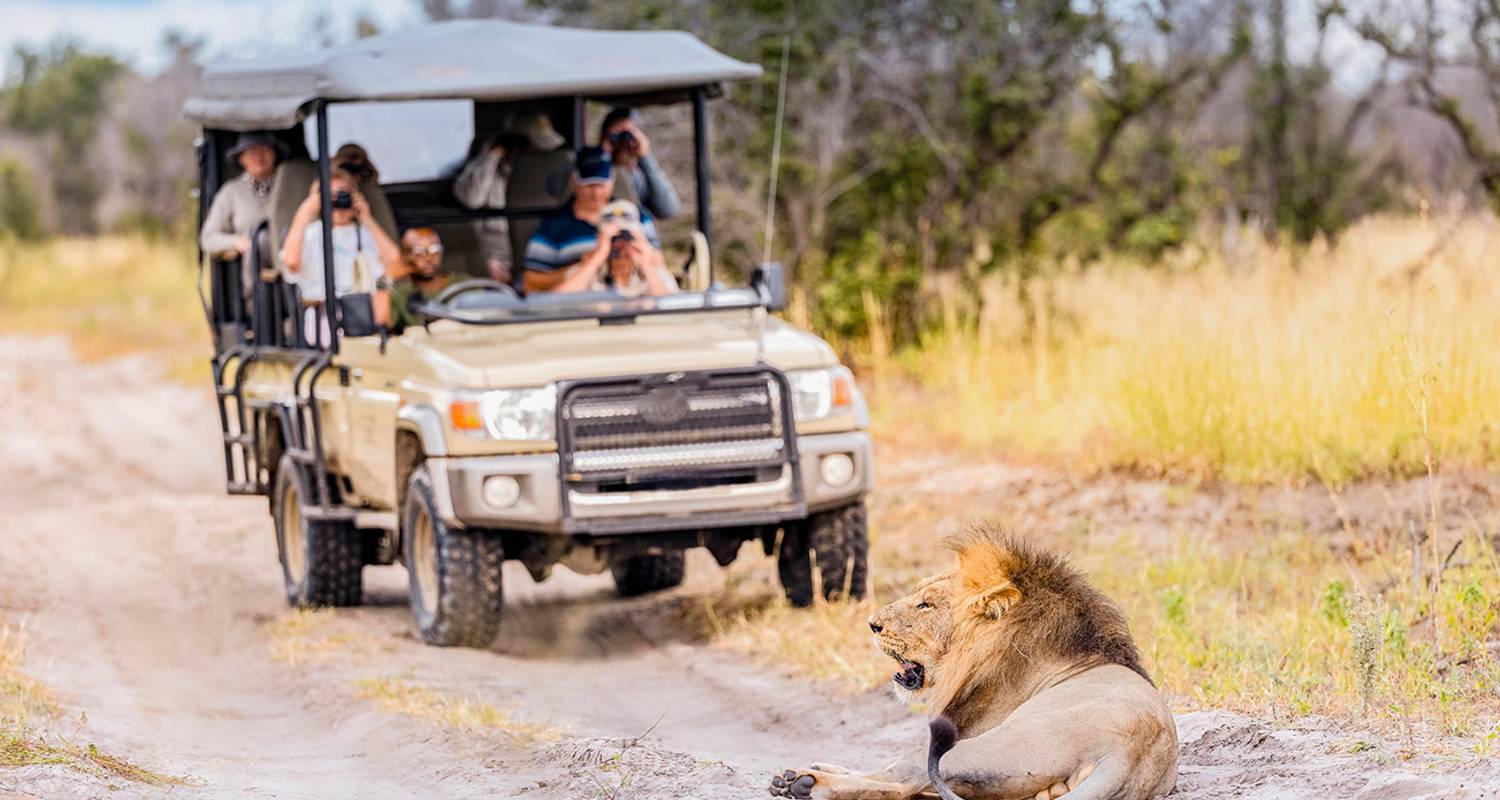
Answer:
(592, 430)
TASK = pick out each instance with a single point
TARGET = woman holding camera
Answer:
(361, 249)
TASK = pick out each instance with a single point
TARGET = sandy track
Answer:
(151, 601)
(154, 603)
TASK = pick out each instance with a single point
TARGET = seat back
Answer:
(538, 180)
(293, 178)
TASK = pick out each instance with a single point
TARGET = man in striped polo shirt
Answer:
(573, 240)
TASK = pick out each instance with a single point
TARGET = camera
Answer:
(619, 240)
(343, 200)
(622, 140)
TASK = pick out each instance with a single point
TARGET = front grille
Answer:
(679, 427)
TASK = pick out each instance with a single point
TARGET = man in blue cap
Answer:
(574, 240)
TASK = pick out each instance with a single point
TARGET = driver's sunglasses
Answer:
(429, 250)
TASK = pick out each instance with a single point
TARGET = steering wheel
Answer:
(472, 285)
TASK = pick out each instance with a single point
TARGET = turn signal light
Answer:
(843, 390)
(464, 415)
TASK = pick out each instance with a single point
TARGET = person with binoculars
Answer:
(620, 136)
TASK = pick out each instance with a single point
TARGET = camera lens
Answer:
(343, 200)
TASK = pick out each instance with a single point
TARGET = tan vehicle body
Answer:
(406, 383)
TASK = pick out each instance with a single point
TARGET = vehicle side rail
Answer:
(241, 444)
(307, 429)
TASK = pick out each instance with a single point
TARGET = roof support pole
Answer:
(325, 174)
(700, 163)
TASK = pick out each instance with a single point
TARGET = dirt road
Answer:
(154, 611)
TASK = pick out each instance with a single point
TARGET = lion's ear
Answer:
(995, 600)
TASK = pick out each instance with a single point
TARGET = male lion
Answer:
(1031, 670)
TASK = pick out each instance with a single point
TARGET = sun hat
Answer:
(251, 139)
(537, 129)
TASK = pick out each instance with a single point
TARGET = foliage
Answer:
(19, 214)
(60, 93)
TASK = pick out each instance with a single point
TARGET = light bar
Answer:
(692, 455)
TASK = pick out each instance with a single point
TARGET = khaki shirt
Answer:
(235, 212)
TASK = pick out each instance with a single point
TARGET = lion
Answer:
(1035, 683)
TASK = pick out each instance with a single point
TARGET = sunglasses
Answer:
(429, 250)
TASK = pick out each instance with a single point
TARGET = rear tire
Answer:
(456, 591)
(794, 565)
(639, 575)
(322, 561)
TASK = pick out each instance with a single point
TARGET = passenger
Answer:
(242, 204)
(576, 241)
(422, 257)
(353, 159)
(361, 249)
(482, 183)
(633, 267)
(621, 136)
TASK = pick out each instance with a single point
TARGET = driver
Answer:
(572, 246)
(422, 263)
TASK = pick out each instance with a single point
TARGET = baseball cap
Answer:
(593, 166)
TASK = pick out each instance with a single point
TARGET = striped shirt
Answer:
(563, 239)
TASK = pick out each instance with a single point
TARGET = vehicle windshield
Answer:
(487, 306)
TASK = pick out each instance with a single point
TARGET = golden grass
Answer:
(25, 703)
(301, 636)
(1323, 363)
(446, 710)
(111, 296)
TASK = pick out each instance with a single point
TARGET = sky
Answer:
(133, 29)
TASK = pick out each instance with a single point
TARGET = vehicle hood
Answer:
(456, 355)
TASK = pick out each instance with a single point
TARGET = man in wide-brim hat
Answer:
(242, 203)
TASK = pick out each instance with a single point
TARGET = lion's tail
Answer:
(944, 735)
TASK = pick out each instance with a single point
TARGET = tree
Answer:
(1429, 44)
(61, 93)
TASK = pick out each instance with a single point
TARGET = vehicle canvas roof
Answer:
(476, 59)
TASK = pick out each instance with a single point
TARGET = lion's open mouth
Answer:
(911, 676)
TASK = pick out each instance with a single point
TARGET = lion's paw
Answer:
(791, 783)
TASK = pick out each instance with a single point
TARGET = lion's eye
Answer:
(923, 605)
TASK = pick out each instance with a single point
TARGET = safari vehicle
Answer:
(591, 430)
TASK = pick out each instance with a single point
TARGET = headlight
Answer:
(821, 393)
(526, 415)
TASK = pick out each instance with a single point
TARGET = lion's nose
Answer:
(876, 627)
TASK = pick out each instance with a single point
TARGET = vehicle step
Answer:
(328, 512)
(245, 488)
(300, 455)
(242, 439)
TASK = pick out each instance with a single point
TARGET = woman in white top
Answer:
(361, 249)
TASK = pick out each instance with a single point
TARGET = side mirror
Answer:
(769, 280)
(357, 315)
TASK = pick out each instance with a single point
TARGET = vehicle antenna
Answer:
(786, 44)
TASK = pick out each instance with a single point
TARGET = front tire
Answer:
(322, 563)
(639, 575)
(456, 591)
(840, 541)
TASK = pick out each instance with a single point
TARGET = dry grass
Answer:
(1320, 364)
(110, 296)
(302, 636)
(25, 704)
(446, 710)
